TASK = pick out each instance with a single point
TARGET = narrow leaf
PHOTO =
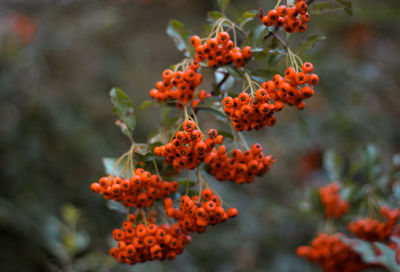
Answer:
(176, 30)
(123, 107)
(146, 104)
(222, 4)
(310, 42)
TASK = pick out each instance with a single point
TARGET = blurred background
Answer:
(58, 61)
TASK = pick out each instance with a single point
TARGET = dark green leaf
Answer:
(274, 59)
(222, 4)
(347, 6)
(176, 30)
(257, 35)
(234, 72)
(167, 123)
(262, 75)
(146, 104)
(225, 134)
(218, 114)
(123, 107)
(310, 42)
(187, 182)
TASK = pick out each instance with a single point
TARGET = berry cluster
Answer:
(139, 191)
(241, 167)
(292, 19)
(249, 113)
(189, 147)
(140, 243)
(220, 50)
(331, 254)
(374, 230)
(179, 85)
(334, 205)
(286, 89)
(194, 214)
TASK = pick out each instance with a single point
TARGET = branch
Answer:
(225, 78)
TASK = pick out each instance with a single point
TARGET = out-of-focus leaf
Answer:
(261, 53)
(123, 107)
(396, 240)
(156, 136)
(225, 134)
(372, 163)
(347, 6)
(246, 17)
(187, 182)
(234, 72)
(167, 123)
(387, 257)
(333, 164)
(362, 247)
(262, 75)
(176, 30)
(213, 16)
(116, 206)
(109, 164)
(274, 59)
(218, 114)
(310, 42)
(222, 4)
(142, 149)
(219, 76)
(346, 192)
(146, 104)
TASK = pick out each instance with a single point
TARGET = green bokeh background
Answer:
(56, 125)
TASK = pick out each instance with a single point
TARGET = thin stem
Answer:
(144, 217)
(156, 167)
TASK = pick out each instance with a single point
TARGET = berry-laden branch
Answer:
(142, 238)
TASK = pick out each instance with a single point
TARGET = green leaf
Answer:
(213, 16)
(246, 17)
(274, 59)
(167, 123)
(222, 4)
(186, 182)
(262, 75)
(225, 134)
(218, 114)
(116, 206)
(142, 149)
(310, 42)
(233, 71)
(347, 6)
(333, 164)
(123, 107)
(372, 163)
(257, 35)
(220, 75)
(109, 164)
(146, 104)
(176, 30)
